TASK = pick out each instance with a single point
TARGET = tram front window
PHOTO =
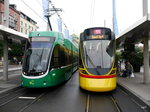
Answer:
(98, 56)
(37, 58)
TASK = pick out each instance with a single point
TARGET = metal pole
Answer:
(146, 46)
(145, 7)
(146, 59)
(104, 23)
(48, 27)
(6, 13)
(49, 22)
(5, 49)
(5, 62)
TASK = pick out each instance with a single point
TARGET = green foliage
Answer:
(134, 57)
(118, 56)
(15, 51)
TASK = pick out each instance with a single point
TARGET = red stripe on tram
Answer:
(98, 77)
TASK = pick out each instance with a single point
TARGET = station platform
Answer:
(13, 81)
(135, 85)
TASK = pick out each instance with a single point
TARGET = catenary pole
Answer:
(5, 43)
(146, 46)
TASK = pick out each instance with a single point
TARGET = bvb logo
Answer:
(31, 82)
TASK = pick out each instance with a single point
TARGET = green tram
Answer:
(49, 60)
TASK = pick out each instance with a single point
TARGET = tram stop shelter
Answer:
(138, 32)
(7, 34)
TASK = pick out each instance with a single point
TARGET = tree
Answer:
(135, 58)
(15, 51)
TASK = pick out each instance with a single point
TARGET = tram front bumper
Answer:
(98, 85)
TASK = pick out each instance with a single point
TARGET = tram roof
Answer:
(134, 33)
(59, 37)
(11, 34)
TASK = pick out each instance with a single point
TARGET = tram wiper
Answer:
(37, 61)
(95, 67)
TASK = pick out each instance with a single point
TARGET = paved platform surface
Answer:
(134, 85)
(14, 80)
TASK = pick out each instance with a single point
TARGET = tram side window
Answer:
(75, 57)
(68, 56)
(55, 61)
(62, 56)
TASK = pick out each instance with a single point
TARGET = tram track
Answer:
(69, 98)
(8, 97)
(87, 103)
(115, 104)
(36, 99)
(127, 102)
(17, 97)
(109, 99)
(115, 101)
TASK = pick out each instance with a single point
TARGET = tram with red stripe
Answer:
(97, 71)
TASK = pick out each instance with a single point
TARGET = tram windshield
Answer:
(37, 57)
(98, 56)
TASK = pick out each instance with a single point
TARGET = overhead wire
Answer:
(41, 6)
(34, 11)
(39, 3)
(57, 12)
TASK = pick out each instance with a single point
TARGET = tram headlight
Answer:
(23, 73)
(41, 73)
(84, 72)
(44, 82)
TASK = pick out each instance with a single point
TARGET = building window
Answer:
(26, 32)
(26, 25)
(22, 30)
(21, 23)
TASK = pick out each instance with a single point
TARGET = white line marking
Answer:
(28, 98)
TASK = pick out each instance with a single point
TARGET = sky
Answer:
(81, 14)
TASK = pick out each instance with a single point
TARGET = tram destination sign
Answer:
(97, 33)
(97, 36)
(42, 39)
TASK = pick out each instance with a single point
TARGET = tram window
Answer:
(67, 56)
(62, 56)
(70, 57)
(55, 63)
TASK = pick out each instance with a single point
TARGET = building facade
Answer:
(14, 16)
(17, 20)
(27, 24)
(75, 40)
